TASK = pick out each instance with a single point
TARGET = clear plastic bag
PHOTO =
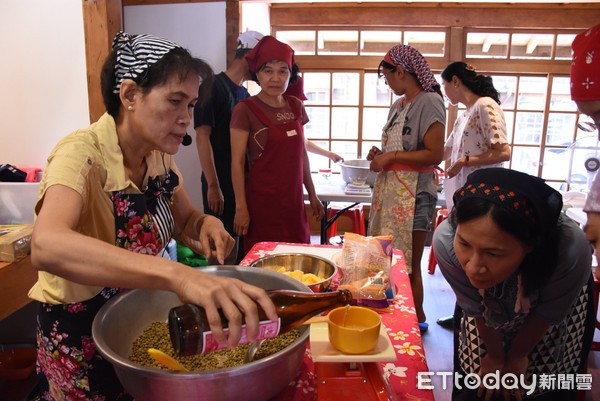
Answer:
(366, 263)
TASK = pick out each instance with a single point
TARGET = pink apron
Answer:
(274, 185)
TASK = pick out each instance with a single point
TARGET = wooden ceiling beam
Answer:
(102, 19)
(527, 16)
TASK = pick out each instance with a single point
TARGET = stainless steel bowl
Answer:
(124, 317)
(357, 172)
(300, 261)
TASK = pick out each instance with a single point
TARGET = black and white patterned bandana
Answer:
(136, 53)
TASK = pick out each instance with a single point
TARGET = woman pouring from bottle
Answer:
(110, 200)
(405, 191)
(267, 134)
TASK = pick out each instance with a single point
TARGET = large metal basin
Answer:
(124, 317)
(357, 172)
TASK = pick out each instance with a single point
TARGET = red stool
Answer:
(441, 215)
(355, 214)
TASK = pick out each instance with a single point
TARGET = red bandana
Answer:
(297, 89)
(269, 49)
(585, 68)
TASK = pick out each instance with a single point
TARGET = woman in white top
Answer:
(478, 138)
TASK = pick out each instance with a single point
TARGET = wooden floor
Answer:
(438, 302)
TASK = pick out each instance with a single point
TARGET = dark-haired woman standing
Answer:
(478, 138)
(412, 143)
(111, 198)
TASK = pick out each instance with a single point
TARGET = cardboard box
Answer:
(15, 241)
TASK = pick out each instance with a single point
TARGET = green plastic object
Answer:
(188, 257)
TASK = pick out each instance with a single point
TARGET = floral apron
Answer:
(69, 367)
(274, 185)
(394, 193)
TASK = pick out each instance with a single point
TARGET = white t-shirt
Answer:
(474, 132)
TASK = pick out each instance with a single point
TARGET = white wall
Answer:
(255, 17)
(43, 72)
(200, 28)
(42, 76)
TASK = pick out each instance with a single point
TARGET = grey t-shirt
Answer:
(425, 109)
(554, 299)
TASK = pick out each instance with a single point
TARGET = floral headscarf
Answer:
(412, 61)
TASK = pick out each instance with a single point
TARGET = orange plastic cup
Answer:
(353, 329)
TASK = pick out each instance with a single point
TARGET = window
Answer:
(531, 45)
(330, 42)
(539, 135)
(348, 105)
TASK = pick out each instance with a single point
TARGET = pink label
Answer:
(266, 329)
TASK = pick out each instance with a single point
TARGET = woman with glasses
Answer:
(585, 91)
(110, 200)
(412, 144)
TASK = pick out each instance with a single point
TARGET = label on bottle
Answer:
(266, 329)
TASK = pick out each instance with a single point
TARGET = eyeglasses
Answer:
(381, 73)
(587, 126)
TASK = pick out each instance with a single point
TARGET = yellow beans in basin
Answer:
(304, 278)
(353, 329)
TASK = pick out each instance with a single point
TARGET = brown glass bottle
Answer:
(191, 335)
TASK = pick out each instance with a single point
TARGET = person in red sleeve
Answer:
(585, 91)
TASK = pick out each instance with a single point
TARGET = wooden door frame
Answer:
(102, 19)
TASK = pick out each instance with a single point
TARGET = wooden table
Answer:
(15, 281)
(335, 191)
(401, 325)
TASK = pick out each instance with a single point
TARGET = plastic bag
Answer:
(188, 257)
(366, 263)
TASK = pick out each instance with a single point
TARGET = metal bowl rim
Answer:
(329, 262)
(124, 363)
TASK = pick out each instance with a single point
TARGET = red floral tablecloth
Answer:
(401, 325)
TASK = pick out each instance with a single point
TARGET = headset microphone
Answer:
(187, 140)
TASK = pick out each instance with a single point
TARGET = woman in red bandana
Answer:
(267, 138)
(405, 192)
(585, 91)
